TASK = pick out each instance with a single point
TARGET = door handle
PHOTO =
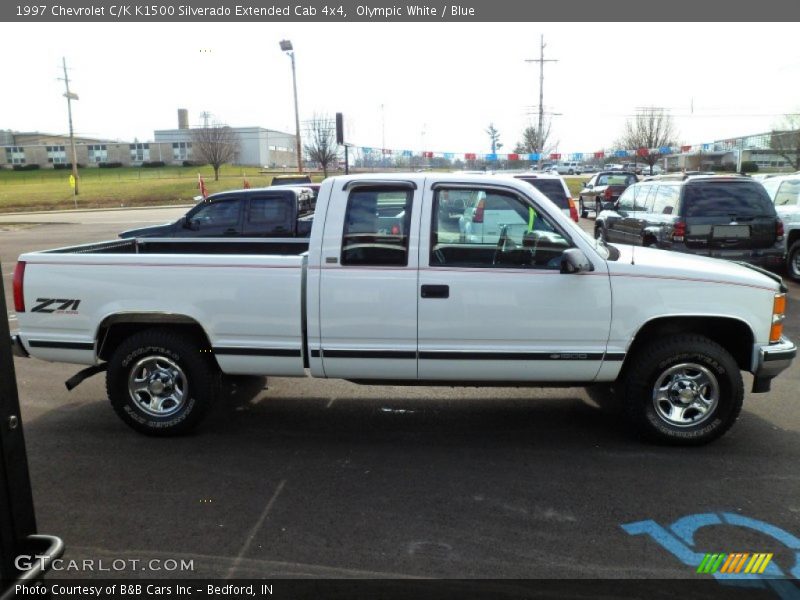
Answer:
(435, 291)
(230, 231)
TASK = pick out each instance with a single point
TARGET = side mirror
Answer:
(573, 260)
(589, 186)
(191, 224)
(610, 205)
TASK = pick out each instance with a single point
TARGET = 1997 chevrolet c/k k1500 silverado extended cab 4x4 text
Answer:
(389, 288)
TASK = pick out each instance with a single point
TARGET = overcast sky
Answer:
(440, 84)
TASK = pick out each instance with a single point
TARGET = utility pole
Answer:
(541, 60)
(70, 96)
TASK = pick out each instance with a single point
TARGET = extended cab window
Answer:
(493, 229)
(376, 227)
(270, 214)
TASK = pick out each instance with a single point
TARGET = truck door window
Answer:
(492, 229)
(223, 213)
(376, 227)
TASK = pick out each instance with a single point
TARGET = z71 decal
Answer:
(56, 305)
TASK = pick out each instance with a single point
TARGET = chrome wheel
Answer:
(685, 395)
(158, 386)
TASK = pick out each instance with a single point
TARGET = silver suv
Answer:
(785, 193)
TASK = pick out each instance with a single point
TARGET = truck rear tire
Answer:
(682, 390)
(160, 383)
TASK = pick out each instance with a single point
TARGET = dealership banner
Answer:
(376, 153)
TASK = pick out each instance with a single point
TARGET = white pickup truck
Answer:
(388, 290)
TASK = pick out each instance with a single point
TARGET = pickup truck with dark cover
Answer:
(259, 212)
(384, 291)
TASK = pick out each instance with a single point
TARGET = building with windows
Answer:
(257, 146)
(760, 148)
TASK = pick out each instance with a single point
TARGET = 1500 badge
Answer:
(56, 305)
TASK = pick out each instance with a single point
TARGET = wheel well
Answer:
(733, 335)
(794, 235)
(114, 330)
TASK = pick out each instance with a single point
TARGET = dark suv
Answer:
(721, 216)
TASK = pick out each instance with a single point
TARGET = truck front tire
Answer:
(160, 382)
(682, 390)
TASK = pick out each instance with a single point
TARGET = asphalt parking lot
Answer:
(329, 479)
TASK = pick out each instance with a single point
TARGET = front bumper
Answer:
(17, 347)
(771, 360)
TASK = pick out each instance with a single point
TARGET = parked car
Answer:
(605, 187)
(556, 189)
(283, 211)
(720, 216)
(290, 179)
(567, 168)
(785, 194)
(590, 169)
(382, 292)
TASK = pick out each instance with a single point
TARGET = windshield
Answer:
(616, 180)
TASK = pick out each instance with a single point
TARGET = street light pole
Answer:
(286, 46)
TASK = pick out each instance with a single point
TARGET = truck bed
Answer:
(245, 294)
(250, 246)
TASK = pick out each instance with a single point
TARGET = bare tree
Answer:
(494, 138)
(652, 128)
(321, 144)
(785, 140)
(531, 143)
(215, 145)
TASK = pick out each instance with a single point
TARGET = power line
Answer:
(70, 96)
(541, 60)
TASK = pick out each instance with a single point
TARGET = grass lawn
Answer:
(575, 184)
(48, 189)
(125, 186)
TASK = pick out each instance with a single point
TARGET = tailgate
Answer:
(743, 233)
(730, 214)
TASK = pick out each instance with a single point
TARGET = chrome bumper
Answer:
(771, 361)
(17, 348)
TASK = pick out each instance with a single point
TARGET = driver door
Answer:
(493, 304)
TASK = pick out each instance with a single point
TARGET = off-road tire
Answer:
(636, 389)
(199, 370)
